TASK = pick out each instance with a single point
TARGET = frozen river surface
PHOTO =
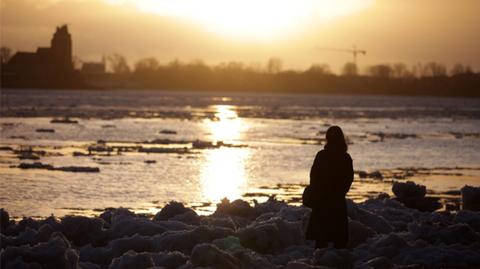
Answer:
(151, 147)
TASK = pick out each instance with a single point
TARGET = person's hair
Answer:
(335, 140)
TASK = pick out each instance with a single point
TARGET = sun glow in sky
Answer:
(252, 31)
(258, 19)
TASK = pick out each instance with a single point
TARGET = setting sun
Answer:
(249, 18)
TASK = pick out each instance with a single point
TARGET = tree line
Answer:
(118, 64)
(397, 79)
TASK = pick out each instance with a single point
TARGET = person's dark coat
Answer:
(331, 177)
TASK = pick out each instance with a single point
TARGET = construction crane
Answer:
(354, 51)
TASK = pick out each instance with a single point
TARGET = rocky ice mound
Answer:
(471, 198)
(383, 234)
(412, 195)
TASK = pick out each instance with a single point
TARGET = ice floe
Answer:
(383, 232)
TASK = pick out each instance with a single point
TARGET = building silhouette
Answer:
(48, 67)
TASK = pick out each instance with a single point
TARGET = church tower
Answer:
(61, 46)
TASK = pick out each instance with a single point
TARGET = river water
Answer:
(152, 147)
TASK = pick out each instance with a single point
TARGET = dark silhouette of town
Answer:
(55, 67)
(47, 67)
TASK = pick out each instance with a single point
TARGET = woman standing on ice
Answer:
(330, 179)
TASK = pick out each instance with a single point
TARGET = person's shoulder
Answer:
(348, 157)
(320, 155)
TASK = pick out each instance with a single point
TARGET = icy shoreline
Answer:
(383, 234)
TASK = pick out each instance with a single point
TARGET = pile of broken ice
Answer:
(383, 234)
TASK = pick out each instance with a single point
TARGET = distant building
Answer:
(50, 67)
(96, 76)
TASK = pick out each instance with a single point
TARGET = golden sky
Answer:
(252, 31)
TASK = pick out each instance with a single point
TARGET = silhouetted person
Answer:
(330, 179)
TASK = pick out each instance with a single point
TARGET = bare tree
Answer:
(400, 70)
(274, 65)
(231, 66)
(434, 69)
(460, 69)
(468, 69)
(350, 69)
(147, 64)
(175, 64)
(383, 71)
(76, 62)
(198, 66)
(418, 70)
(319, 69)
(5, 54)
(118, 64)
(254, 67)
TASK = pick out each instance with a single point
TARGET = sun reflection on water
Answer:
(227, 126)
(224, 172)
